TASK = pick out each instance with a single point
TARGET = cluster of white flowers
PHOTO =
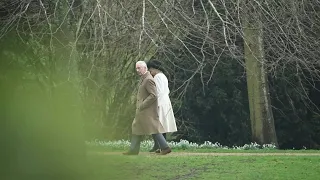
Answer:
(182, 144)
(251, 146)
(270, 146)
(210, 145)
(120, 144)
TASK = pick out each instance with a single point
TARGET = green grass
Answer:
(218, 150)
(152, 167)
(184, 145)
(247, 151)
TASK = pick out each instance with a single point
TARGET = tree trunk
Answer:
(261, 116)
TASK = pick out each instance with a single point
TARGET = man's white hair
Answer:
(142, 63)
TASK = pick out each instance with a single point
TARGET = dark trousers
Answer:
(136, 141)
(156, 143)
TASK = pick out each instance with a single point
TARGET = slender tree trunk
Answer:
(261, 116)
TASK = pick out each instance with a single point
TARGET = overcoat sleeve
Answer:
(152, 97)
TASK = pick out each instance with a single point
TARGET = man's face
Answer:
(140, 69)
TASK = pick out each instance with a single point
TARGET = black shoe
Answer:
(130, 153)
(158, 151)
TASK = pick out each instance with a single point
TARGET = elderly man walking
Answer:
(146, 121)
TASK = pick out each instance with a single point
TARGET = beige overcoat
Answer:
(146, 121)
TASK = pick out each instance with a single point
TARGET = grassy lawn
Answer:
(175, 167)
(218, 150)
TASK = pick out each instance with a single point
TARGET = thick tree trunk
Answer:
(261, 116)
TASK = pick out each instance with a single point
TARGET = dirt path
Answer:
(216, 154)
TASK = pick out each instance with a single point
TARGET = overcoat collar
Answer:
(145, 75)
